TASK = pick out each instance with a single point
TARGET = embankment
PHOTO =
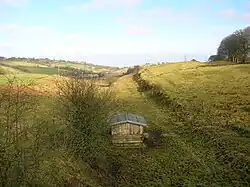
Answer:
(159, 95)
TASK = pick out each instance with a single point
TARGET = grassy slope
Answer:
(225, 88)
(19, 63)
(211, 147)
(8, 70)
(201, 151)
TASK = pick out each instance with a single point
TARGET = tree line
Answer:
(234, 47)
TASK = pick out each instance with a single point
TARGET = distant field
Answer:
(39, 70)
(8, 70)
(48, 68)
(31, 68)
(20, 63)
(23, 77)
(43, 77)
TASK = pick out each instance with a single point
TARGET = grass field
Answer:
(23, 77)
(206, 144)
(20, 63)
(27, 71)
(133, 101)
(29, 68)
(224, 88)
(8, 70)
(210, 146)
(47, 68)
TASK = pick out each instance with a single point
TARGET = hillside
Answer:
(35, 69)
(197, 113)
(203, 112)
(50, 66)
(224, 89)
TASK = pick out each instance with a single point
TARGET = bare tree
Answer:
(20, 140)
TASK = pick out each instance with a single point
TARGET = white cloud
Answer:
(75, 36)
(101, 4)
(22, 29)
(246, 16)
(18, 32)
(228, 13)
(248, 6)
(152, 20)
(13, 2)
(139, 30)
(242, 16)
(39, 41)
(81, 44)
(157, 16)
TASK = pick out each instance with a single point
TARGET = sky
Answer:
(118, 32)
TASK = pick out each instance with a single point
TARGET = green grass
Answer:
(81, 66)
(134, 102)
(49, 68)
(28, 68)
(19, 63)
(39, 70)
(31, 71)
(225, 88)
(210, 143)
(24, 77)
(9, 70)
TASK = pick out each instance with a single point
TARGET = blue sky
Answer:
(118, 32)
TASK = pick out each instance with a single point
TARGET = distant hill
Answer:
(47, 66)
(53, 62)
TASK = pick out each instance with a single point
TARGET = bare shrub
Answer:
(21, 139)
(85, 109)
